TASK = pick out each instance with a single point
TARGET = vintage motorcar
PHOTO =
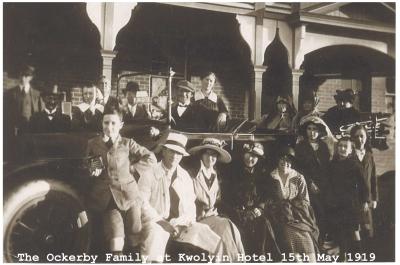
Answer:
(46, 177)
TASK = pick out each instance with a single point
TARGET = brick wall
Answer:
(378, 92)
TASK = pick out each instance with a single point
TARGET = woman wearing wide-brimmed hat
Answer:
(208, 194)
(312, 160)
(288, 207)
(245, 198)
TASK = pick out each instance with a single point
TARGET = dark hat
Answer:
(213, 144)
(346, 95)
(254, 148)
(185, 85)
(286, 152)
(132, 86)
(27, 70)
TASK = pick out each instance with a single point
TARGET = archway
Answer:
(191, 41)
(346, 66)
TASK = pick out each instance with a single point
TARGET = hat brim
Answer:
(224, 156)
(256, 153)
(176, 148)
(186, 88)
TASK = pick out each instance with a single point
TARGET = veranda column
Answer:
(255, 104)
(296, 73)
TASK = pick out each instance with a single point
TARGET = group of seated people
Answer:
(289, 201)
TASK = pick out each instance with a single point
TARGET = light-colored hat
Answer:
(216, 145)
(254, 148)
(176, 142)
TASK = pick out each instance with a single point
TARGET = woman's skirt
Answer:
(230, 236)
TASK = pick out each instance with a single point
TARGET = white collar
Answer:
(50, 112)
(85, 106)
(275, 175)
(199, 95)
(207, 172)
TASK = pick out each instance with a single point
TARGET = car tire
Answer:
(42, 217)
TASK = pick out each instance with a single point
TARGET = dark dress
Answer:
(313, 165)
(336, 117)
(86, 121)
(186, 120)
(112, 103)
(207, 110)
(243, 193)
(41, 123)
(368, 170)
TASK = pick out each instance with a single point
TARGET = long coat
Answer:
(40, 123)
(368, 170)
(347, 192)
(12, 108)
(116, 181)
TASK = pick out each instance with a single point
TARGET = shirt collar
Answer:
(26, 89)
(199, 95)
(206, 172)
(50, 112)
(275, 175)
(168, 172)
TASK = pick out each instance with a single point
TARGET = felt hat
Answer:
(254, 148)
(186, 85)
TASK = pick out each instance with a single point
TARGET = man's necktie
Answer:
(109, 143)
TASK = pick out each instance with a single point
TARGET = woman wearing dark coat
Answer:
(312, 160)
(363, 155)
(347, 197)
(246, 197)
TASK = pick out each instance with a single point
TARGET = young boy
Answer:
(347, 198)
(114, 192)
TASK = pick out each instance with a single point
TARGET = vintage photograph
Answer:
(187, 132)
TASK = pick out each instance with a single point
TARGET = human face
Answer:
(26, 79)
(50, 102)
(112, 124)
(344, 148)
(88, 94)
(312, 132)
(360, 138)
(209, 158)
(207, 84)
(171, 158)
(284, 165)
(184, 96)
(131, 97)
(104, 86)
(250, 159)
(282, 107)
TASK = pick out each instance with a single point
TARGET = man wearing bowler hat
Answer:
(344, 112)
(50, 119)
(169, 190)
(133, 110)
(183, 112)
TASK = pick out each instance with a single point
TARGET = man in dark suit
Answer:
(183, 112)
(51, 119)
(108, 101)
(20, 103)
(133, 110)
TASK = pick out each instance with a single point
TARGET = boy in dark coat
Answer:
(347, 197)
(183, 112)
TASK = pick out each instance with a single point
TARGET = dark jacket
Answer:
(312, 164)
(40, 123)
(86, 121)
(347, 192)
(111, 103)
(12, 108)
(368, 170)
(187, 120)
(140, 114)
(336, 117)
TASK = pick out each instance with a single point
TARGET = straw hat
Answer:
(176, 142)
(213, 144)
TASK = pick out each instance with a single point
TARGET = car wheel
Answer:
(44, 217)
